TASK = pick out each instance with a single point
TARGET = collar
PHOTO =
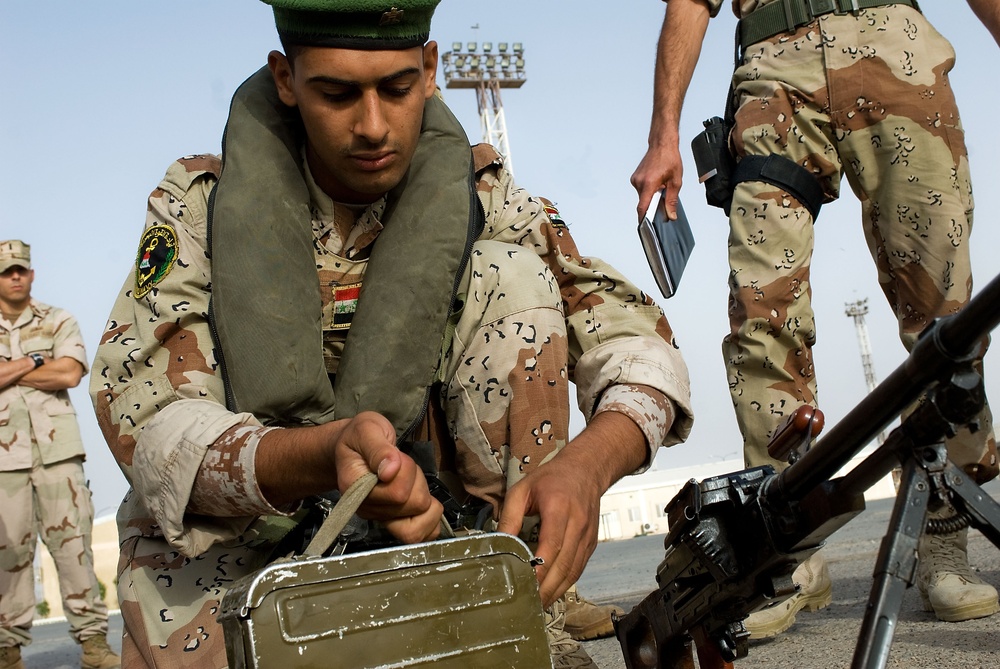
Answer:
(331, 219)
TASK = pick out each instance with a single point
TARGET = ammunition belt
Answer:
(787, 15)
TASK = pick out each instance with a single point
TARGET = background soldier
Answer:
(42, 484)
(848, 86)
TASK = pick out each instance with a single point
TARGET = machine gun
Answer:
(734, 540)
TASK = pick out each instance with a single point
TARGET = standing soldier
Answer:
(42, 484)
(825, 89)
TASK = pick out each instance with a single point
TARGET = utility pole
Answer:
(487, 72)
(857, 311)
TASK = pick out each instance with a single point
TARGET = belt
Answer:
(787, 15)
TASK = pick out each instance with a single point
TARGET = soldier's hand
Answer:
(660, 168)
(401, 499)
(568, 500)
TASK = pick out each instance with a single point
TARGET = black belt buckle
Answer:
(820, 7)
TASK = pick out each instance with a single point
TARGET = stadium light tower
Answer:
(487, 71)
(857, 311)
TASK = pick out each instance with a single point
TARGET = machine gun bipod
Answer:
(735, 540)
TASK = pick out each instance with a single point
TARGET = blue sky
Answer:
(100, 97)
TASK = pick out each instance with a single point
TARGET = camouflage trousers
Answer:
(53, 502)
(868, 97)
(503, 410)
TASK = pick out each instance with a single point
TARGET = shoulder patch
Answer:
(485, 155)
(155, 259)
(554, 216)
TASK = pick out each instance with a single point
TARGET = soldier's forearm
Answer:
(988, 12)
(59, 374)
(681, 37)
(11, 371)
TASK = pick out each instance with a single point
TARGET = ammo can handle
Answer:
(341, 513)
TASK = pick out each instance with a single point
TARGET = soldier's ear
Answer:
(281, 71)
(430, 56)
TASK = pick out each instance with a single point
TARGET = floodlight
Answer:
(519, 63)
(502, 47)
(456, 46)
(487, 47)
(474, 62)
(518, 48)
(460, 61)
(472, 46)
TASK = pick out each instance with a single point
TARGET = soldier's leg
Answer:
(506, 385)
(17, 553)
(906, 158)
(768, 352)
(506, 393)
(65, 515)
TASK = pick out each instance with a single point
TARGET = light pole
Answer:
(487, 71)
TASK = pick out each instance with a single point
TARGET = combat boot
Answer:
(815, 592)
(947, 584)
(566, 652)
(586, 620)
(10, 658)
(97, 654)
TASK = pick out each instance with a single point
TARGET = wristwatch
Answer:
(37, 357)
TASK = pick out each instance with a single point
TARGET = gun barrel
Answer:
(944, 343)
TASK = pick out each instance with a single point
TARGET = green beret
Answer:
(354, 24)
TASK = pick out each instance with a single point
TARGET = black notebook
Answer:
(668, 244)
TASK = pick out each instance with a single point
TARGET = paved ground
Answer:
(623, 571)
(825, 639)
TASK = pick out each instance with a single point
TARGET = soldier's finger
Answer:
(513, 511)
(425, 526)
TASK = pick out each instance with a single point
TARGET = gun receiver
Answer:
(735, 540)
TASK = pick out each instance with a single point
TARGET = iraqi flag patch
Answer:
(156, 256)
(554, 216)
(345, 303)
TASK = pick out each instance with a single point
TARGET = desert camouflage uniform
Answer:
(867, 96)
(536, 315)
(42, 484)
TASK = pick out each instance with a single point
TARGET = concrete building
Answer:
(635, 505)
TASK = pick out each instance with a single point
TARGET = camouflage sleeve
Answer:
(67, 340)
(156, 389)
(618, 337)
(713, 6)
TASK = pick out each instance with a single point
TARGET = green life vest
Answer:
(265, 309)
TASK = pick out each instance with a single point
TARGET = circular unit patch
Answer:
(157, 252)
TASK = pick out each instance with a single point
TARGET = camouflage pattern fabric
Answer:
(28, 414)
(43, 491)
(53, 502)
(536, 316)
(867, 96)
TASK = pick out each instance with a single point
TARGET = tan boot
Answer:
(565, 651)
(10, 658)
(97, 654)
(947, 584)
(586, 620)
(815, 592)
